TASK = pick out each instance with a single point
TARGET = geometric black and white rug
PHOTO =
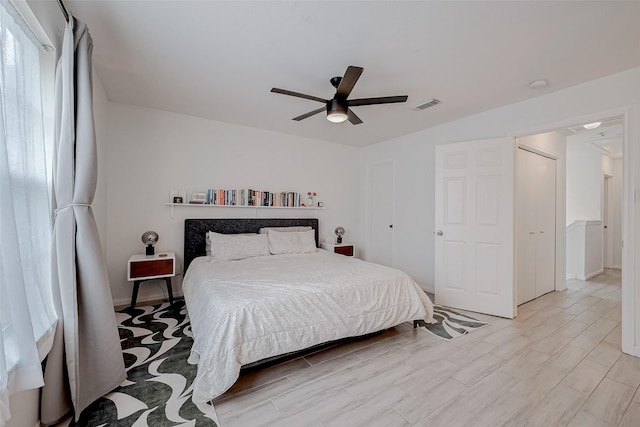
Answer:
(156, 341)
(451, 324)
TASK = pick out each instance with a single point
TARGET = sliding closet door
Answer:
(546, 225)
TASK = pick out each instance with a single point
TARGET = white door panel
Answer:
(535, 225)
(474, 213)
(525, 226)
(546, 222)
(382, 193)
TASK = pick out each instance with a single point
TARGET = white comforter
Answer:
(247, 310)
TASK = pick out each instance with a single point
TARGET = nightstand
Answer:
(141, 268)
(339, 248)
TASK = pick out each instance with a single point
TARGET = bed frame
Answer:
(196, 229)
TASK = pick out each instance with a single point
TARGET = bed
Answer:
(250, 309)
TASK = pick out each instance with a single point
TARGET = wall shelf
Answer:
(255, 208)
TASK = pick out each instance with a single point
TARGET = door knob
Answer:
(439, 232)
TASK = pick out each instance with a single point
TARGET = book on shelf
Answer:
(246, 197)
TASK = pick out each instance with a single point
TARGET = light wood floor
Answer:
(558, 363)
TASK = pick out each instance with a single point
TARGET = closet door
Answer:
(526, 224)
(535, 225)
(381, 196)
(545, 249)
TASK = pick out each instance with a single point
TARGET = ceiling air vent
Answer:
(426, 105)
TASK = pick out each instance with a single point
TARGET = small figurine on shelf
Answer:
(310, 196)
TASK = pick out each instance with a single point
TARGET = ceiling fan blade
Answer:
(349, 80)
(299, 95)
(355, 120)
(380, 100)
(309, 114)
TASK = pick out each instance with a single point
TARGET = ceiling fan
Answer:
(338, 108)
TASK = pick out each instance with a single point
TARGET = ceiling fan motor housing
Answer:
(337, 110)
(337, 105)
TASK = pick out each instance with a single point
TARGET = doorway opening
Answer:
(589, 213)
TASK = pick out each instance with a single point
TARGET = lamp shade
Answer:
(150, 238)
(336, 111)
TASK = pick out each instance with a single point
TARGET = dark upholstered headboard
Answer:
(195, 230)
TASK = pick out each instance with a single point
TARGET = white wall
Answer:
(414, 156)
(586, 168)
(584, 249)
(152, 152)
(594, 250)
(584, 180)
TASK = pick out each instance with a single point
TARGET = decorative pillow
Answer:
(296, 242)
(228, 247)
(264, 230)
(208, 241)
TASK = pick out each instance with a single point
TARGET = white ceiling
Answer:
(607, 137)
(219, 60)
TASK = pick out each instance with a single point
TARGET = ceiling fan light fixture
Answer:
(336, 111)
(592, 125)
(538, 84)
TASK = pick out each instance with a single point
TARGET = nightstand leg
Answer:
(169, 290)
(134, 295)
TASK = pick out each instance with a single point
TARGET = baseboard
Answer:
(571, 276)
(633, 351)
(616, 267)
(429, 289)
(594, 274)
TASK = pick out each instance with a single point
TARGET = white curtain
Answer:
(86, 359)
(26, 310)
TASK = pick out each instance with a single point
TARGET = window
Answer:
(27, 316)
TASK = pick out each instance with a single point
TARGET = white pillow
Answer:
(228, 247)
(289, 229)
(296, 242)
(208, 241)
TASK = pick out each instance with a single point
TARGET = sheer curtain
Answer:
(26, 310)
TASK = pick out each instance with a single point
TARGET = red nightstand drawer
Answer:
(151, 268)
(344, 250)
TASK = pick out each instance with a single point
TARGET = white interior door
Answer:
(381, 196)
(606, 215)
(545, 260)
(535, 225)
(474, 226)
(526, 224)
